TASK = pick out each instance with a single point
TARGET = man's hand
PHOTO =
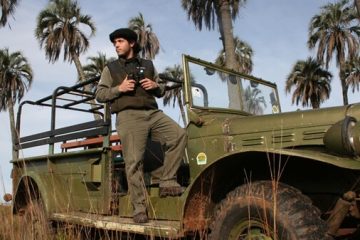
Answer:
(127, 85)
(148, 84)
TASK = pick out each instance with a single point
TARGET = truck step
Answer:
(158, 228)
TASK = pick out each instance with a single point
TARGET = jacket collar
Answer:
(124, 61)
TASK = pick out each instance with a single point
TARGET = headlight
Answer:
(343, 137)
(355, 138)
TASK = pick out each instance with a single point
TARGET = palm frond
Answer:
(310, 82)
(15, 77)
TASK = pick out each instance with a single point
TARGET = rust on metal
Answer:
(195, 214)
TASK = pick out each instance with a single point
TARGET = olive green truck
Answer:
(250, 171)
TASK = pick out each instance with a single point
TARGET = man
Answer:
(130, 84)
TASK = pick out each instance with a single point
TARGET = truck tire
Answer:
(248, 213)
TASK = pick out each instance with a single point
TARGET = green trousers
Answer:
(134, 128)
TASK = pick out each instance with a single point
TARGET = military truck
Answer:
(250, 171)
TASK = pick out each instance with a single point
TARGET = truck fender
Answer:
(31, 186)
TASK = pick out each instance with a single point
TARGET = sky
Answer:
(277, 31)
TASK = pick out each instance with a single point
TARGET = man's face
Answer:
(123, 47)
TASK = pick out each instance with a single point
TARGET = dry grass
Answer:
(15, 227)
(12, 227)
(6, 230)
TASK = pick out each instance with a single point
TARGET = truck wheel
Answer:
(253, 212)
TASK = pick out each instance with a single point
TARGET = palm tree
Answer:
(96, 65)
(243, 54)
(15, 79)
(59, 26)
(175, 94)
(221, 11)
(254, 102)
(351, 73)
(311, 83)
(7, 8)
(334, 31)
(148, 41)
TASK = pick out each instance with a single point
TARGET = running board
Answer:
(159, 228)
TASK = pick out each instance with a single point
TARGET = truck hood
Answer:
(240, 124)
(284, 130)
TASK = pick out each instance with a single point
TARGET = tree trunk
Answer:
(226, 28)
(344, 91)
(87, 88)
(79, 67)
(14, 135)
(344, 86)
(357, 5)
(181, 109)
(221, 30)
(228, 38)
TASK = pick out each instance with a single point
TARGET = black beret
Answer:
(125, 33)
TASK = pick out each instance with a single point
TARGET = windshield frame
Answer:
(187, 84)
